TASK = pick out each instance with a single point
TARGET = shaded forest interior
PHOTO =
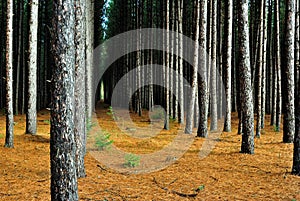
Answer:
(224, 71)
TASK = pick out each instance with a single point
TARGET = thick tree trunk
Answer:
(9, 140)
(245, 81)
(62, 142)
(31, 118)
(289, 116)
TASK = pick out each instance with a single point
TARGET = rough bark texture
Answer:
(245, 80)
(80, 115)
(89, 57)
(289, 116)
(31, 118)
(191, 105)
(62, 142)
(202, 79)
(9, 140)
(227, 61)
(213, 75)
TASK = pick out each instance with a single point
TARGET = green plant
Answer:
(89, 125)
(47, 121)
(1, 136)
(103, 141)
(110, 111)
(132, 160)
(200, 188)
(276, 128)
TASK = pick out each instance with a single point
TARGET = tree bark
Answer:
(289, 116)
(228, 61)
(62, 142)
(31, 119)
(9, 139)
(80, 115)
(245, 81)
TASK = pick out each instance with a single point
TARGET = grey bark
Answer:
(227, 61)
(62, 142)
(9, 139)
(289, 116)
(80, 89)
(31, 119)
(202, 80)
(213, 75)
(246, 98)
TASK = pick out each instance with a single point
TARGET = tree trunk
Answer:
(259, 70)
(245, 81)
(167, 88)
(213, 76)
(228, 61)
(180, 64)
(9, 139)
(31, 118)
(191, 105)
(62, 142)
(80, 115)
(202, 79)
(89, 58)
(289, 116)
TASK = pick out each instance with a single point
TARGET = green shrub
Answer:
(103, 141)
(132, 160)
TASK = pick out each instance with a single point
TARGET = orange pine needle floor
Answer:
(225, 174)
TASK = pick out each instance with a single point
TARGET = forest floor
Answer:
(225, 174)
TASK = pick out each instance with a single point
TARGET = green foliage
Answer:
(103, 141)
(89, 125)
(200, 188)
(132, 160)
(294, 199)
(1, 136)
(110, 111)
(47, 121)
(276, 128)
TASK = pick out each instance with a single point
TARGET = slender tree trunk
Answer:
(180, 64)
(89, 57)
(9, 140)
(32, 73)
(245, 80)
(62, 142)
(259, 73)
(289, 116)
(20, 38)
(213, 76)
(191, 105)
(167, 88)
(80, 115)
(228, 61)
(202, 79)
